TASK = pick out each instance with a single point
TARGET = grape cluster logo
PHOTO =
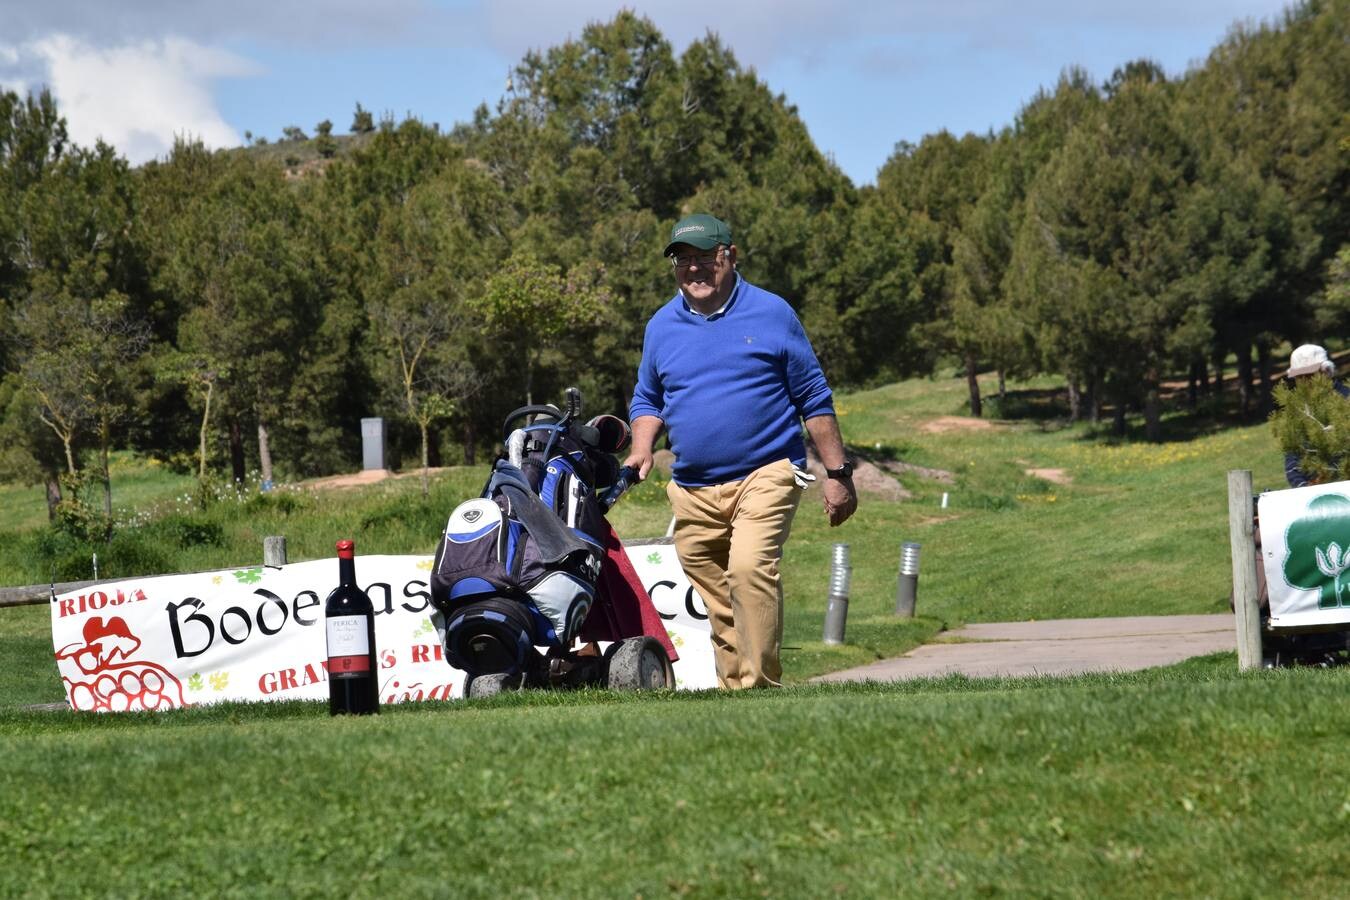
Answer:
(100, 674)
(1319, 551)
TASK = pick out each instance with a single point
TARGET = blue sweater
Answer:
(732, 388)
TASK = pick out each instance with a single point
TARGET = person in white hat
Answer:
(1308, 361)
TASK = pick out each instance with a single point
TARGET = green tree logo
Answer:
(1319, 551)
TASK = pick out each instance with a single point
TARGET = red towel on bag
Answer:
(623, 609)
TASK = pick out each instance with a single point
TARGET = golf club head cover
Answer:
(614, 433)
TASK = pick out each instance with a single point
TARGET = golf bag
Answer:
(518, 567)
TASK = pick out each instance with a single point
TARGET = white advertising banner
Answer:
(257, 633)
(680, 607)
(1305, 546)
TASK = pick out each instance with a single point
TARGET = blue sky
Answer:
(863, 76)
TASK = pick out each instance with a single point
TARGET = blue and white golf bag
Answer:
(517, 568)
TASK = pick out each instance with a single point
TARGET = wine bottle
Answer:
(349, 620)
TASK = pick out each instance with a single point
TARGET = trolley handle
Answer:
(628, 476)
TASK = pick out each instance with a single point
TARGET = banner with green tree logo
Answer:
(1305, 545)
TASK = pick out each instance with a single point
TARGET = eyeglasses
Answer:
(704, 260)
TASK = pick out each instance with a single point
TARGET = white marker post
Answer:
(1241, 539)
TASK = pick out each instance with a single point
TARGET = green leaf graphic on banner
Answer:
(654, 557)
(1319, 551)
(249, 576)
(195, 683)
(425, 628)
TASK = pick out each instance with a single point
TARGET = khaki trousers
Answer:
(730, 539)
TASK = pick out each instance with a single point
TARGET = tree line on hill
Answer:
(223, 311)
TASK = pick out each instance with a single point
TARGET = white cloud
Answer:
(287, 22)
(137, 96)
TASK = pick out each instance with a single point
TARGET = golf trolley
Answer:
(529, 577)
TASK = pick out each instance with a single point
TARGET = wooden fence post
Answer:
(1242, 542)
(274, 551)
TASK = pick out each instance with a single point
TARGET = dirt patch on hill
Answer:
(360, 479)
(897, 467)
(663, 461)
(867, 478)
(937, 520)
(944, 424)
(1054, 476)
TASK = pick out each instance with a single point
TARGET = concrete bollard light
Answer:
(907, 587)
(836, 613)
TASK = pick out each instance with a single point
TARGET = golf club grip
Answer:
(628, 476)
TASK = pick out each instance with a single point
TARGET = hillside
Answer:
(304, 157)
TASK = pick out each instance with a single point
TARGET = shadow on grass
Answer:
(1180, 426)
(1048, 405)
(1048, 408)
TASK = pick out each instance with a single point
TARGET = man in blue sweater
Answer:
(728, 371)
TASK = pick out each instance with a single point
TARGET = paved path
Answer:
(1056, 647)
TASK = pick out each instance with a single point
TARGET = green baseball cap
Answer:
(700, 230)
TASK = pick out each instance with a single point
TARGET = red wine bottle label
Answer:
(348, 665)
(348, 645)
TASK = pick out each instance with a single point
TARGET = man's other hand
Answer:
(841, 500)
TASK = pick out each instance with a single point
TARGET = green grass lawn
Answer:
(1191, 781)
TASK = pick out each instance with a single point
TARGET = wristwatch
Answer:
(844, 471)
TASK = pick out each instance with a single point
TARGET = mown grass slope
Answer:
(1192, 781)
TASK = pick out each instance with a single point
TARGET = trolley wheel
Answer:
(492, 684)
(638, 664)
